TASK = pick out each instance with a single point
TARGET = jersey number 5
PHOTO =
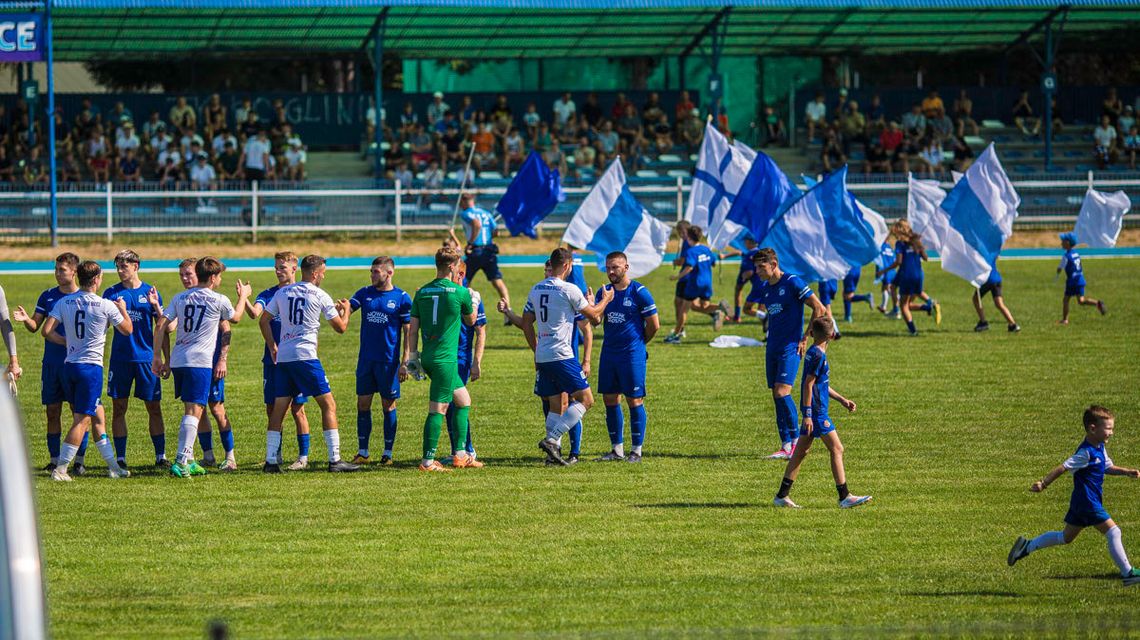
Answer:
(543, 301)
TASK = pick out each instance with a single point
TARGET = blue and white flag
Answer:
(983, 205)
(611, 219)
(821, 235)
(535, 191)
(1101, 217)
(765, 192)
(721, 169)
(874, 218)
(929, 220)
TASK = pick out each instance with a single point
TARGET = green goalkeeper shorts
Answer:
(444, 380)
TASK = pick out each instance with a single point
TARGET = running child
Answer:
(850, 295)
(909, 256)
(1074, 278)
(696, 271)
(993, 287)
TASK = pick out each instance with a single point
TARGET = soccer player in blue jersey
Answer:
(682, 230)
(909, 255)
(745, 276)
(131, 357)
(481, 251)
(630, 323)
(472, 341)
(815, 395)
(85, 318)
(827, 290)
(385, 319)
(698, 263)
(850, 293)
(1074, 279)
(285, 268)
(51, 369)
(784, 296)
(993, 287)
(886, 280)
(1089, 465)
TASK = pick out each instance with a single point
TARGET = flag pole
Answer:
(462, 183)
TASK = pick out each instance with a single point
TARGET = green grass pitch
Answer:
(951, 430)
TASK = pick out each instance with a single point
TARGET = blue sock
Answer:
(637, 422)
(121, 447)
(53, 444)
(926, 305)
(781, 420)
(303, 444)
(576, 439)
(389, 429)
(83, 446)
(470, 444)
(227, 438)
(793, 418)
(363, 429)
(159, 443)
(206, 439)
(736, 313)
(910, 326)
(861, 297)
(846, 308)
(615, 424)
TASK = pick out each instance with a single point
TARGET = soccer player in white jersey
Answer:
(196, 314)
(85, 316)
(300, 307)
(548, 323)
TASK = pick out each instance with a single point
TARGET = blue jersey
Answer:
(383, 315)
(911, 267)
(886, 258)
(467, 337)
(685, 246)
(54, 354)
(625, 319)
(486, 222)
(263, 299)
(815, 364)
(785, 304)
(1071, 263)
(1087, 465)
(701, 259)
(139, 345)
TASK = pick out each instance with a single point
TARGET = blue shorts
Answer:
(889, 277)
(851, 283)
(122, 375)
(378, 377)
(741, 280)
(83, 384)
(622, 373)
(679, 290)
(560, 376)
(300, 377)
(821, 426)
(51, 384)
(464, 371)
(694, 292)
(909, 286)
(485, 259)
(269, 386)
(754, 296)
(192, 384)
(1087, 517)
(827, 291)
(1074, 290)
(217, 389)
(782, 364)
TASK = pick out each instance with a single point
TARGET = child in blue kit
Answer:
(1089, 465)
(815, 392)
(1074, 278)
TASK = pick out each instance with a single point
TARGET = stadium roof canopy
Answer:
(497, 29)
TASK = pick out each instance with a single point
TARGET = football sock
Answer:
(106, 451)
(121, 447)
(910, 326)
(782, 421)
(460, 428)
(273, 447)
(363, 430)
(389, 429)
(82, 447)
(615, 424)
(470, 444)
(637, 422)
(846, 308)
(572, 416)
(332, 443)
(619, 449)
(186, 432)
(1047, 539)
(886, 299)
(842, 489)
(861, 297)
(552, 432)
(736, 313)
(785, 488)
(227, 439)
(760, 315)
(206, 439)
(159, 443)
(791, 419)
(575, 434)
(67, 454)
(1116, 550)
(302, 445)
(926, 306)
(432, 426)
(53, 440)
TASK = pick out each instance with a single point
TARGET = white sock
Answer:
(552, 432)
(332, 442)
(760, 315)
(230, 455)
(636, 450)
(103, 446)
(886, 299)
(67, 453)
(572, 415)
(1047, 539)
(619, 449)
(272, 446)
(1116, 550)
(187, 433)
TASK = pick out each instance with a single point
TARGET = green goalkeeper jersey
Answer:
(440, 305)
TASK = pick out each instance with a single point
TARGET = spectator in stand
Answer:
(815, 115)
(251, 127)
(652, 109)
(35, 171)
(877, 160)
(241, 114)
(964, 114)
(408, 122)
(1112, 106)
(585, 157)
(663, 134)
(433, 176)
(436, 108)
(941, 125)
(222, 136)
(126, 138)
(852, 127)
(451, 147)
(6, 166)
(544, 139)
(191, 155)
(202, 175)
(891, 141)
(294, 161)
(564, 111)
(449, 121)
(591, 111)
(403, 174)
(119, 114)
(96, 143)
(1125, 121)
(914, 122)
(484, 142)
(618, 110)
(629, 127)
(475, 123)
(182, 115)
(932, 104)
(422, 147)
(159, 142)
(172, 153)
(684, 107)
(608, 144)
(531, 120)
(513, 147)
(214, 115)
(1132, 146)
(691, 131)
(152, 125)
(100, 167)
(963, 154)
(189, 138)
(84, 125)
(831, 155)
(587, 129)
(88, 106)
(63, 139)
(1104, 137)
(1023, 116)
(67, 166)
(229, 162)
(501, 111)
(169, 173)
(255, 157)
(554, 157)
(841, 104)
(129, 169)
(280, 118)
(569, 131)
(467, 110)
(930, 157)
(774, 131)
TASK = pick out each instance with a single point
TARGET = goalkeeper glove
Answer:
(415, 369)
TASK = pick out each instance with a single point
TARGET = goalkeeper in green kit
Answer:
(437, 311)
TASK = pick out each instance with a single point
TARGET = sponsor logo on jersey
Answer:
(773, 309)
(377, 317)
(615, 317)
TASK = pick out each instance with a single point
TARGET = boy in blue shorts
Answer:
(815, 393)
(1089, 465)
(698, 262)
(850, 287)
(992, 287)
(1074, 279)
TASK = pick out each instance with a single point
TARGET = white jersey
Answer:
(554, 303)
(198, 312)
(300, 307)
(85, 318)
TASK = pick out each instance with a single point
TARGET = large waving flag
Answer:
(535, 191)
(983, 204)
(765, 192)
(721, 169)
(611, 219)
(821, 235)
(1101, 217)
(929, 220)
(873, 218)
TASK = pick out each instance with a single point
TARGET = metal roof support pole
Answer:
(378, 93)
(52, 184)
(1049, 80)
(717, 35)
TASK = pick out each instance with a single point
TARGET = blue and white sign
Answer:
(21, 37)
